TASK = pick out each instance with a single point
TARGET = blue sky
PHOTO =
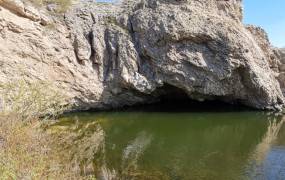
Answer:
(269, 14)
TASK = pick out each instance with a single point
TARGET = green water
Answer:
(184, 145)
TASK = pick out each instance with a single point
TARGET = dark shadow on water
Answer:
(173, 99)
(180, 105)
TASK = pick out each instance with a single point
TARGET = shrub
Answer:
(31, 100)
(63, 5)
(26, 150)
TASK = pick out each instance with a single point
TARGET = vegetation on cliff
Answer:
(63, 5)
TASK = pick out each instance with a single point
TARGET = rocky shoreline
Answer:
(105, 56)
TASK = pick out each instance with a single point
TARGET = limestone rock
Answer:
(261, 38)
(24, 9)
(281, 76)
(109, 56)
(282, 55)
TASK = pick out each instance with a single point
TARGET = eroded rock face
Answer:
(282, 57)
(271, 53)
(110, 56)
(281, 76)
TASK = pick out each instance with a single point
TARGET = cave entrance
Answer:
(169, 98)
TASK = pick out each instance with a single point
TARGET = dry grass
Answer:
(31, 100)
(63, 5)
(26, 150)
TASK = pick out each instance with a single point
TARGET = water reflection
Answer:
(140, 145)
(268, 140)
(268, 159)
(133, 151)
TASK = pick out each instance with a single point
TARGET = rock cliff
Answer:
(108, 56)
(281, 68)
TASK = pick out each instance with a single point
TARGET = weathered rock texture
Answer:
(281, 76)
(108, 56)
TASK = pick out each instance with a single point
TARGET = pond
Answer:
(219, 145)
